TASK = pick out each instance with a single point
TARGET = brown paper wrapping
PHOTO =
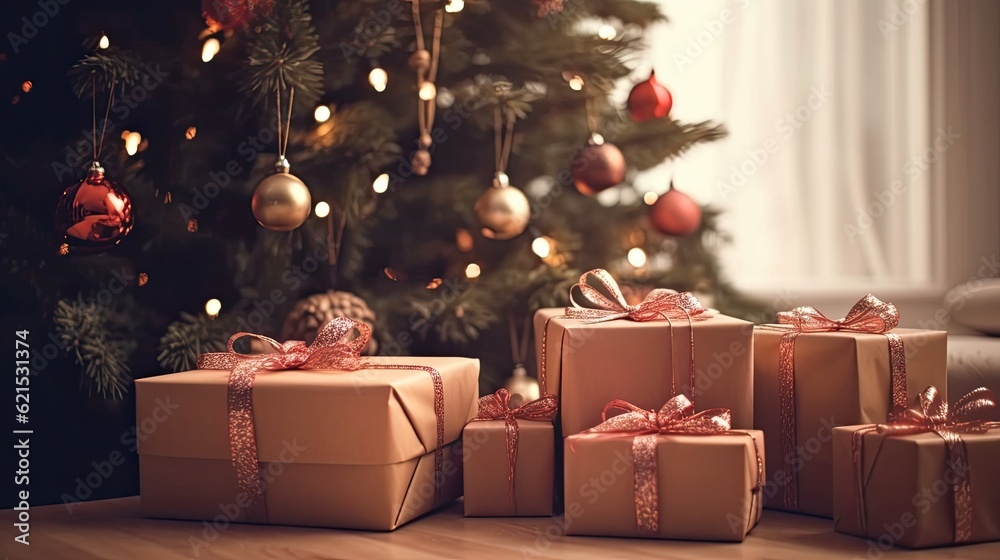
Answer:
(363, 443)
(707, 486)
(589, 364)
(485, 472)
(841, 378)
(908, 498)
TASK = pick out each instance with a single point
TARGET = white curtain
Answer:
(824, 179)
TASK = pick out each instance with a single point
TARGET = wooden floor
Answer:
(113, 529)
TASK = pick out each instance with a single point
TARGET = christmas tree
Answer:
(397, 117)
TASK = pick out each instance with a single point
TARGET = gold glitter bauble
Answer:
(281, 201)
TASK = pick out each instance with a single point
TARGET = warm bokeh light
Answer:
(132, 141)
(472, 271)
(434, 284)
(322, 113)
(104, 42)
(463, 240)
(210, 49)
(213, 307)
(427, 91)
(378, 78)
(576, 83)
(322, 209)
(607, 32)
(636, 257)
(381, 183)
(650, 198)
(541, 246)
(454, 6)
(26, 86)
(190, 133)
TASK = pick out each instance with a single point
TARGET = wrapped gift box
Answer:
(841, 378)
(587, 364)
(707, 486)
(908, 495)
(346, 449)
(486, 469)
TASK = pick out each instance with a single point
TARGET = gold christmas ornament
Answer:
(503, 210)
(523, 389)
(281, 201)
(315, 311)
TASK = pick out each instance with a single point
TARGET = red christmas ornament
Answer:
(649, 99)
(675, 213)
(230, 14)
(597, 165)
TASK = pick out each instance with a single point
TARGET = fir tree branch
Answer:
(282, 56)
(82, 327)
(103, 69)
(190, 336)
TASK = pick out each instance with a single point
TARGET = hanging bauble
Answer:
(421, 162)
(281, 201)
(315, 311)
(502, 210)
(523, 389)
(597, 165)
(95, 214)
(649, 100)
(230, 14)
(675, 213)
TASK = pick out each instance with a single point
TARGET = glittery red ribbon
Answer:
(972, 414)
(869, 315)
(330, 350)
(677, 416)
(659, 304)
(497, 407)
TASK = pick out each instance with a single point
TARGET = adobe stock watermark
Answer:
(229, 512)
(915, 166)
(34, 22)
(710, 30)
(78, 153)
(104, 469)
(899, 16)
(922, 502)
(785, 128)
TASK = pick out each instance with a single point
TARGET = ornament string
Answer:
(283, 139)
(425, 108)
(518, 345)
(503, 139)
(99, 147)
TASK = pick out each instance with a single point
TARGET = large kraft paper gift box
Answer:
(904, 484)
(365, 449)
(687, 478)
(509, 458)
(588, 356)
(835, 373)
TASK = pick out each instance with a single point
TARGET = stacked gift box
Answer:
(662, 419)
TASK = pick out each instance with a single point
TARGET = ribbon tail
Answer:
(243, 438)
(647, 511)
(786, 392)
(958, 462)
(512, 436)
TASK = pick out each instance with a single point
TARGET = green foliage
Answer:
(86, 330)
(191, 336)
(281, 55)
(104, 69)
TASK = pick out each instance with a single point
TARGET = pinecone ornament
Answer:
(311, 313)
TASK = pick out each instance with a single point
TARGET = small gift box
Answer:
(812, 373)
(309, 435)
(672, 474)
(927, 479)
(646, 353)
(509, 457)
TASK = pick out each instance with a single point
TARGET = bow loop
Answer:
(589, 302)
(677, 416)
(869, 315)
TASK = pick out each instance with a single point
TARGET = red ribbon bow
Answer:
(869, 315)
(677, 416)
(497, 407)
(972, 414)
(658, 304)
(331, 350)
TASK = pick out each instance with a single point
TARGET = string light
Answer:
(26, 86)
(541, 246)
(132, 141)
(472, 271)
(104, 42)
(464, 240)
(606, 32)
(213, 307)
(190, 133)
(378, 78)
(576, 83)
(322, 113)
(454, 6)
(434, 284)
(427, 91)
(322, 209)
(650, 198)
(210, 49)
(381, 183)
(636, 257)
